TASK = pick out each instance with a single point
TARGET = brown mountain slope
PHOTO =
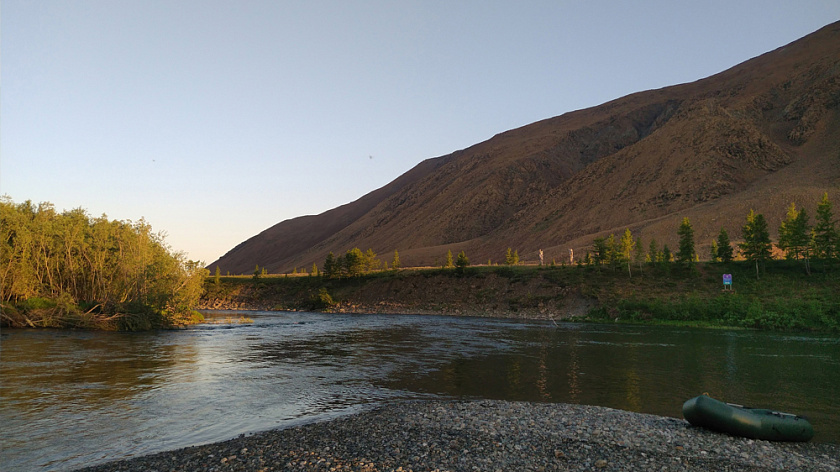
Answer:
(759, 135)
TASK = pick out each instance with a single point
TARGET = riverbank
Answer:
(64, 313)
(490, 435)
(784, 298)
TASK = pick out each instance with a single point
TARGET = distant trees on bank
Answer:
(353, 263)
(798, 239)
(69, 269)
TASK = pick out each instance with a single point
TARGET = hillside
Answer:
(759, 135)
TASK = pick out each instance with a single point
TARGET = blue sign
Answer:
(727, 279)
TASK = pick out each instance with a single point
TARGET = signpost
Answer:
(727, 281)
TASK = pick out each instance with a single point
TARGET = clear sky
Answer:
(215, 120)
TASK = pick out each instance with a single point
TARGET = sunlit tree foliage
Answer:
(70, 269)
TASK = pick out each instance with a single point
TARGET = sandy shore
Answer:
(490, 436)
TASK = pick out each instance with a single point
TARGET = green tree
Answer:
(795, 234)
(626, 249)
(724, 247)
(599, 251)
(354, 263)
(639, 254)
(666, 256)
(257, 272)
(331, 267)
(653, 252)
(713, 252)
(614, 257)
(462, 261)
(826, 240)
(314, 272)
(217, 278)
(395, 264)
(511, 257)
(370, 261)
(756, 246)
(449, 263)
(686, 253)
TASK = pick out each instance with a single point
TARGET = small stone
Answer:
(600, 463)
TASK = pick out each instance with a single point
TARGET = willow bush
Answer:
(71, 270)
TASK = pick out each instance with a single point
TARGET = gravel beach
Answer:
(490, 436)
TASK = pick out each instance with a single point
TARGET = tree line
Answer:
(797, 238)
(69, 269)
(353, 263)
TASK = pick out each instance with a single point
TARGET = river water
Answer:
(75, 398)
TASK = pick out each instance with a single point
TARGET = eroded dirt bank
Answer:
(490, 295)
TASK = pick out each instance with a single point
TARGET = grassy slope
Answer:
(784, 298)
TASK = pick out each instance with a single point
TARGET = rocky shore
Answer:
(490, 436)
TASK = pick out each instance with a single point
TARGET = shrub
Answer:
(322, 300)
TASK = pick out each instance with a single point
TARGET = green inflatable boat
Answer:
(752, 423)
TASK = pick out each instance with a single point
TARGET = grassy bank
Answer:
(783, 298)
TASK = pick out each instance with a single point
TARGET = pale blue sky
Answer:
(215, 120)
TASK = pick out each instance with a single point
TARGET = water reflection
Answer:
(650, 370)
(73, 398)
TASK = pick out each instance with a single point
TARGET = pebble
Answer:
(490, 435)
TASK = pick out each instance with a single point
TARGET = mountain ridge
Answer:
(752, 135)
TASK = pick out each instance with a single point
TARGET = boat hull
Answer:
(754, 423)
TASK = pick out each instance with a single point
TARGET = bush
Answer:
(322, 300)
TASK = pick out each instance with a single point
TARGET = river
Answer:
(75, 398)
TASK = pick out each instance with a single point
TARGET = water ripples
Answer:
(75, 398)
